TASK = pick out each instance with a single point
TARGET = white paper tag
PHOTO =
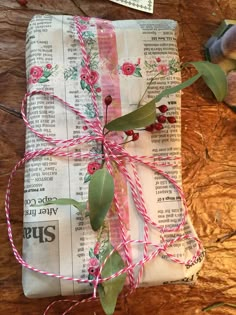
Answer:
(142, 5)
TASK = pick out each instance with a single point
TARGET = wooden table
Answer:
(208, 151)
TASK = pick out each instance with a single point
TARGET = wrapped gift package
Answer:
(124, 57)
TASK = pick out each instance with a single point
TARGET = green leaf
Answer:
(82, 206)
(109, 290)
(101, 193)
(46, 73)
(87, 178)
(137, 73)
(43, 80)
(178, 87)
(140, 117)
(218, 304)
(83, 84)
(213, 76)
(91, 253)
(88, 88)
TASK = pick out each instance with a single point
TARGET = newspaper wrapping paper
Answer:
(142, 5)
(124, 57)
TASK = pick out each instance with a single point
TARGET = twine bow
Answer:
(112, 153)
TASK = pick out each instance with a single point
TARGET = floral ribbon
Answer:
(113, 152)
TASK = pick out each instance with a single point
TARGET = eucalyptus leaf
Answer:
(110, 290)
(101, 193)
(177, 88)
(218, 304)
(143, 116)
(213, 76)
(82, 206)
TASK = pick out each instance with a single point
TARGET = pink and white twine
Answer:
(113, 152)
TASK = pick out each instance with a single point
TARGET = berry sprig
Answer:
(156, 126)
(161, 119)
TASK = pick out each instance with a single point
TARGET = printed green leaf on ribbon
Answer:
(88, 88)
(87, 178)
(46, 73)
(83, 84)
(110, 290)
(82, 206)
(101, 193)
(137, 73)
(140, 117)
(213, 76)
(43, 80)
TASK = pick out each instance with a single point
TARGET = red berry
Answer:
(129, 132)
(98, 90)
(150, 128)
(161, 119)
(163, 108)
(171, 119)
(49, 66)
(108, 100)
(135, 136)
(158, 59)
(22, 2)
(158, 126)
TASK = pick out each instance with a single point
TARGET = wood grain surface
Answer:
(208, 152)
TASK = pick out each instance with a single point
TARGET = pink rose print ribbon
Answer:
(113, 152)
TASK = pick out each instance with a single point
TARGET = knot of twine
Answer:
(112, 153)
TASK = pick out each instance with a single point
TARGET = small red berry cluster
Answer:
(135, 135)
(161, 119)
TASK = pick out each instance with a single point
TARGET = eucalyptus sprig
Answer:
(213, 76)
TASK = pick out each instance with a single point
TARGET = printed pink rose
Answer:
(93, 262)
(93, 271)
(163, 69)
(49, 66)
(93, 167)
(85, 18)
(128, 68)
(36, 72)
(93, 78)
(32, 80)
(83, 74)
(89, 79)
(83, 27)
(93, 266)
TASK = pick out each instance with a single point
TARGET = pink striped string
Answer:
(113, 153)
